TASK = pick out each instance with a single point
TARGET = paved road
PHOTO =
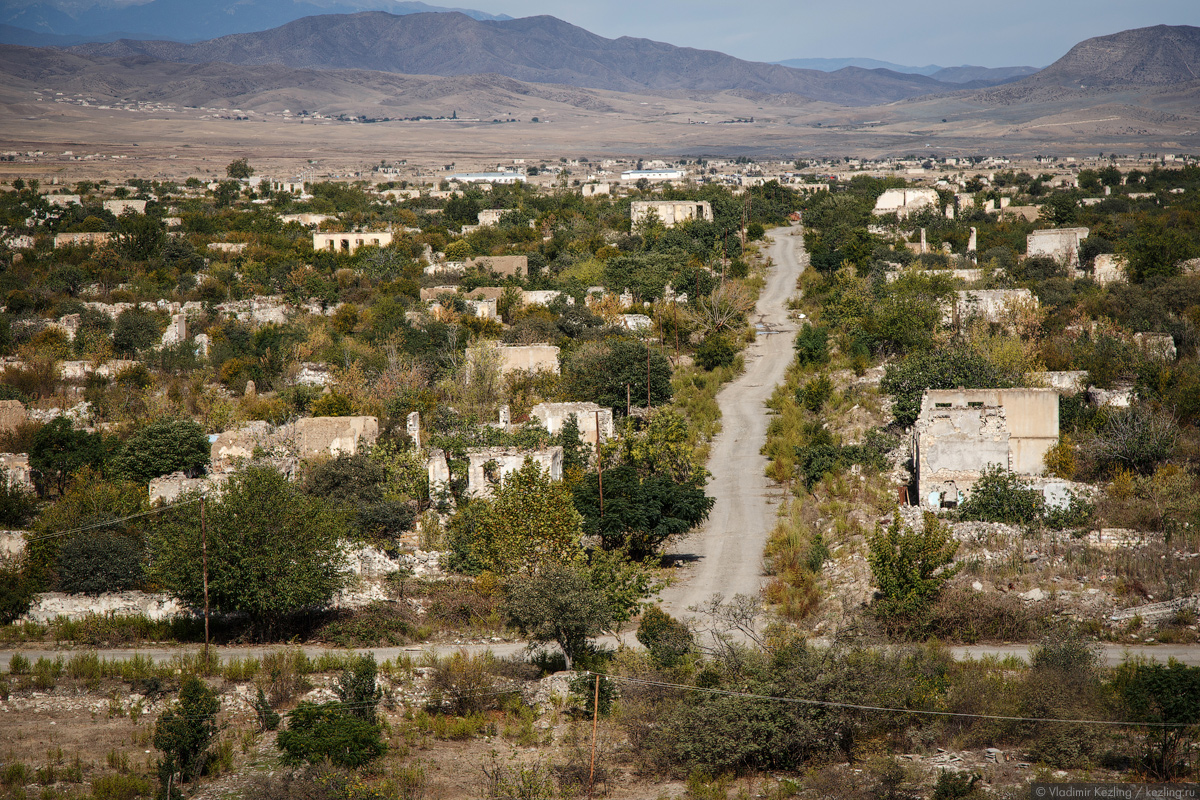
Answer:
(725, 555)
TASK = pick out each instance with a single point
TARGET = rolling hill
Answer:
(179, 20)
(540, 49)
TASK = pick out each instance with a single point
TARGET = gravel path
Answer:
(725, 555)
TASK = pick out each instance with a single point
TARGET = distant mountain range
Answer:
(31, 23)
(540, 49)
(963, 74)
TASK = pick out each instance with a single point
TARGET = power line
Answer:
(117, 521)
(858, 707)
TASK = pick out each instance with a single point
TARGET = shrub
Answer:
(331, 405)
(1135, 438)
(814, 394)
(715, 351)
(1000, 496)
(95, 563)
(666, 639)
(329, 731)
(812, 346)
(163, 447)
(185, 730)
(119, 787)
(356, 688)
(910, 567)
(268, 719)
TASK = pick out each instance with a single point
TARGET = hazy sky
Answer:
(912, 32)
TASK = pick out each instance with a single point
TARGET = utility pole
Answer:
(599, 466)
(595, 723)
(204, 557)
(647, 377)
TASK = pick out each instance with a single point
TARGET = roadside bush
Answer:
(1000, 496)
(98, 562)
(812, 346)
(316, 733)
(814, 394)
(667, 639)
(715, 351)
(356, 687)
(119, 787)
(184, 732)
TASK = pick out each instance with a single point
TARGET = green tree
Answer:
(640, 514)
(356, 687)
(601, 371)
(139, 237)
(910, 567)
(558, 604)
(136, 329)
(1060, 208)
(183, 733)
(163, 447)
(96, 562)
(239, 169)
(272, 550)
(1163, 694)
(59, 450)
(97, 506)
(329, 731)
(1155, 249)
(530, 520)
(907, 380)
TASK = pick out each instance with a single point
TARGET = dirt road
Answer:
(725, 555)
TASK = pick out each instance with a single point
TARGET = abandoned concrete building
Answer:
(529, 357)
(670, 212)
(78, 239)
(554, 415)
(504, 266)
(487, 466)
(960, 432)
(1109, 268)
(903, 202)
(1061, 244)
(993, 305)
(349, 242)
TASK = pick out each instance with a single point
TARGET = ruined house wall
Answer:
(1031, 417)
(554, 415)
(670, 212)
(502, 265)
(335, 435)
(487, 466)
(349, 242)
(952, 446)
(530, 357)
(1061, 244)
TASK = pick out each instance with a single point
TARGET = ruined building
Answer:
(962, 431)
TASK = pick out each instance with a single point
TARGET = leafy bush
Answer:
(812, 346)
(268, 718)
(185, 730)
(17, 504)
(356, 688)
(910, 567)
(98, 562)
(715, 351)
(1000, 496)
(907, 380)
(666, 639)
(814, 394)
(163, 447)
(329, 731)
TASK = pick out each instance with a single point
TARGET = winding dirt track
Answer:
(725, 555)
